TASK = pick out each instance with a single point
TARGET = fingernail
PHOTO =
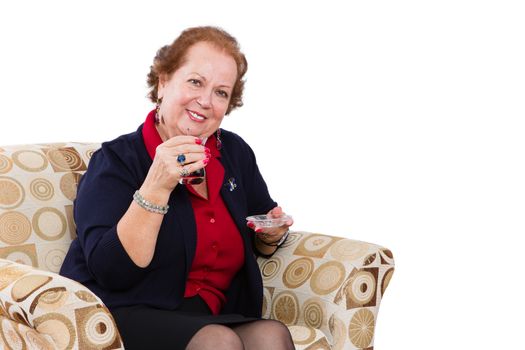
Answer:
(258, 230)
(250, 224)
(205, 161)
(207, 150)
(198, 141)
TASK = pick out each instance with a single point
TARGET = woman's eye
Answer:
(195, 82)
(222, 93)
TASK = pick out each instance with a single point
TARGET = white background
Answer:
(394, 122)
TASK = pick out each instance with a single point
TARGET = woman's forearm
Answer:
(138, 229)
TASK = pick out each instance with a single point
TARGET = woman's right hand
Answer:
(165, 172)
(138, 228)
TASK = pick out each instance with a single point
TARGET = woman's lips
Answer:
(196, 117)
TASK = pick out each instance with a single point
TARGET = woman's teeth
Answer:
(196, 116)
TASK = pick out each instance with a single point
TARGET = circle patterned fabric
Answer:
(335, 284)
(286, 308)
(51, 299)
(54, 258)
(314, 312)
(42, 189)
(338, 331)
(361, 329)
(65, 159)
(271, 268)
(328, 277)
(346, 250)
(49, 223)
(38, 308)
(96, 327)
(302, 335)
(298, 272)
(11, 193)
(5, 164)
(362, 288)
(28, 160)
(15, 228)
(68, 185)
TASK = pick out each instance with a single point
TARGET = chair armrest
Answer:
(328, 283)
(39, 308)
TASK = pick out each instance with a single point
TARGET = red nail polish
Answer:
(207, 150)
(250, 224)
(205, 161)
(258, 230)
(198, 141)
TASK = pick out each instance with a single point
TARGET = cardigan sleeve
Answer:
(104, 195)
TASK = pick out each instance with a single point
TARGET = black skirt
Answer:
(143, 328)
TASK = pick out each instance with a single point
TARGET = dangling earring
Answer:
(218, 137)
(157, 111)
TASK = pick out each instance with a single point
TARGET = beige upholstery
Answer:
(326, 289)
(38, 308)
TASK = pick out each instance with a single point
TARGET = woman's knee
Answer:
(266, 334)
(276, 328)
(280, 334)
(215, 337)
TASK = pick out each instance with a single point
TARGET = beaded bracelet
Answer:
(159, 209)
(277, 243)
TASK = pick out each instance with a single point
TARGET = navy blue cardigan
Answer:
(98, 260)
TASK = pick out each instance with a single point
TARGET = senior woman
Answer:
(175, 262)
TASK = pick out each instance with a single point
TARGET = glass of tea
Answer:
(196, 177)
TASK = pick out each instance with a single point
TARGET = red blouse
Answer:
(220, 252)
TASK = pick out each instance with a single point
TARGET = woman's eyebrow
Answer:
(201, 76)
(204, 78)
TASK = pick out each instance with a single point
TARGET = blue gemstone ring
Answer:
(181, 158)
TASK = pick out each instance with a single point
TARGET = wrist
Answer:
(149, 206)
(276, 243)
(155, 194)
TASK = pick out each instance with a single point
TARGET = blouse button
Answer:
(212, 220)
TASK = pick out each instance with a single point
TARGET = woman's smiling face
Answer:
(196, 96)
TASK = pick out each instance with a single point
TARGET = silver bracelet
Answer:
(159, 209)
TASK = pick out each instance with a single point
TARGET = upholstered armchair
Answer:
(326, 289)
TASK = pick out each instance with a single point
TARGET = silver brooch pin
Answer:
(231, 184)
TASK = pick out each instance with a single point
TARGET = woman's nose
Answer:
(204, 100)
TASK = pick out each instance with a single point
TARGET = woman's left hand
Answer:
(271, 235)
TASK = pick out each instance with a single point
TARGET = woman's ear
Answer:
(163, 80)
